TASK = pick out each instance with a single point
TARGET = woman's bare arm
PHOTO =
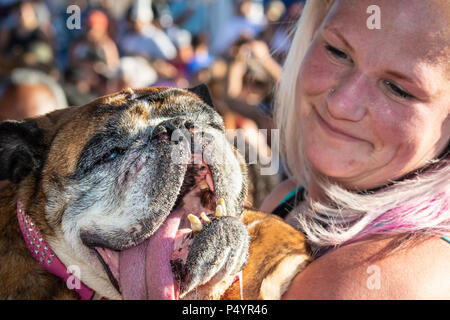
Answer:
(350, 273)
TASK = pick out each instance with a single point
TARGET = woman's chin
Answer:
(336, 165)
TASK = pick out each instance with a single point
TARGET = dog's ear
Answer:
(21, 149)
(202, 92)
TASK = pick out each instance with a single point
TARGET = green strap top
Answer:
(289, 202)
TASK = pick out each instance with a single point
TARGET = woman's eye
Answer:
(336, 52)
(397, 90)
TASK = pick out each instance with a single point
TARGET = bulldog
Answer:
(136, 195)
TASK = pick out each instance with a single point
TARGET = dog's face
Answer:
(119, 177)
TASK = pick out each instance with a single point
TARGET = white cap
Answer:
(141, 10)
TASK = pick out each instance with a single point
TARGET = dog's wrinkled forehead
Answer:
(123, 115)
(154, 104)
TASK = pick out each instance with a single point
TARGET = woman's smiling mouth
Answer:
(333, 131)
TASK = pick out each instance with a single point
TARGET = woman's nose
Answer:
(346, 100)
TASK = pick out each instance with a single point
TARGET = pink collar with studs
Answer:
(48, 259)
(45, 256)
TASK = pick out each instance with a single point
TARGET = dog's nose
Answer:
(165, 130)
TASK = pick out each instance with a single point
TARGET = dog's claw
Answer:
(220, 250)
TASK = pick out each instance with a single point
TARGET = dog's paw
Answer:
(218, 251)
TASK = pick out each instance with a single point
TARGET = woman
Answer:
(366, 131)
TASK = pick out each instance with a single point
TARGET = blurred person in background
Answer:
(201, 58)
(279, 34)
(145, 36)
(185, 51)
(79, 84)
(28, 93)
(26, 36)
(274, 12)
(93, 61)
(238, 26)
(239, 126)
(95, 45)
(189, 15)
(86, 80)
(252, 75)
(135, 72)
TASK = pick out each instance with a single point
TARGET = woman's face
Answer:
(375, 104)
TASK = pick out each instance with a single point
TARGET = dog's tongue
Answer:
(145, 271)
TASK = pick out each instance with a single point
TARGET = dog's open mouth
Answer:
(154, 269)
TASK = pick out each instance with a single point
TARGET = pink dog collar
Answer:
(44, 255)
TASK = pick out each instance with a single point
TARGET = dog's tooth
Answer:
(204, 217)
(222, 203)
(220, 211)
(196, 224)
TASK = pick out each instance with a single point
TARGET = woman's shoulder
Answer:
(359, 271)
(277, 195)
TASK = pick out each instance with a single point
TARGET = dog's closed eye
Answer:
(111, 155)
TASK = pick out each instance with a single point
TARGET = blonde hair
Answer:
(418, 204)
(296, 166)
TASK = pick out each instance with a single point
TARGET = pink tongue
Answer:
(145, 271)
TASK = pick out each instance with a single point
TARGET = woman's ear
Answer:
(21, 149)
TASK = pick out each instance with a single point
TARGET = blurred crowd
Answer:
(55, 53)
